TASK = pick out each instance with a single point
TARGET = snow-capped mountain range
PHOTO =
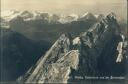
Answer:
(36, 15)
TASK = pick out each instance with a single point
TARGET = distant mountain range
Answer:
(50, 18)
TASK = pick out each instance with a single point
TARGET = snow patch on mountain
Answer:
(9, 14)
(67, 19)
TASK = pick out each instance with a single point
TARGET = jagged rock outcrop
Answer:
(97, 52)
(55, 65)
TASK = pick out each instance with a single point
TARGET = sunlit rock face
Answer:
(98, 52)
(56, 65)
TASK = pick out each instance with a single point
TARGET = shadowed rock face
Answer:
(93, 53)
(99, 51)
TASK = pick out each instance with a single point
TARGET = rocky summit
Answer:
(101, 51)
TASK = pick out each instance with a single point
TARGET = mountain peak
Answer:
(88, 16)
(112, 14)
(85, 14)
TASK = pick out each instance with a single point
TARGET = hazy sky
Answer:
(52, 4)
(67, 6)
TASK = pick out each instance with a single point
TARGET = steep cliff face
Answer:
(55, 65)
(97, 52)
(101, 50)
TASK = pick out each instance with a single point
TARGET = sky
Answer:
(52, 4)
(67, 6)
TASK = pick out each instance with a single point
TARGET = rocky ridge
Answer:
(93, 53)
